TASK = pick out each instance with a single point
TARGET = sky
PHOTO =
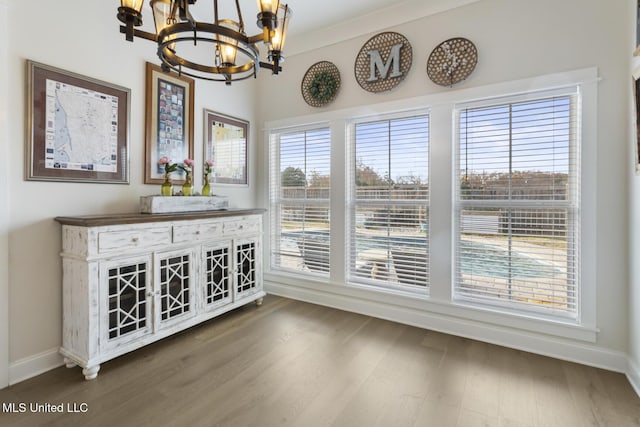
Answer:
(535, 135)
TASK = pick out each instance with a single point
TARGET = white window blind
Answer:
(388, 241)
(517, 202)
(299, 193)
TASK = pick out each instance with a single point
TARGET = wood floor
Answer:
(289, 363)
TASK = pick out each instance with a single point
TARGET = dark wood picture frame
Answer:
(78, 127)
(227, 144)
(168, 121)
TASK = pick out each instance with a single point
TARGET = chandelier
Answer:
(216, 51)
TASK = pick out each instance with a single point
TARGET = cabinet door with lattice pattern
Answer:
(174, 286)
(216, 275)
(248, 271)
(125, 296)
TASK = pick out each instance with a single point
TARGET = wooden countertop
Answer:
(135, 218)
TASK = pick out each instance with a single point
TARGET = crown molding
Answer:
(387, 17)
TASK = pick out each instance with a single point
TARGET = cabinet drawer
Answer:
(196, 232)
(244, 225)
(133, 239)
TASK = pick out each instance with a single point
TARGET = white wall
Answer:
(4, 207)
(634, 216)
(515, 40)
(87, 42)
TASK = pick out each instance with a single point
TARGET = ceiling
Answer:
(321, 23)
(313, 15)
(307, 15)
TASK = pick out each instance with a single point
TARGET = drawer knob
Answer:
(135, 239)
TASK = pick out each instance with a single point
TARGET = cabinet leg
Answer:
(90, 372)
(69, 363)
(259, 302)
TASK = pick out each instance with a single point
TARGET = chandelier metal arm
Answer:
(270, 66)
(256, 39)
(139, 33)
(183, 7)
(240, 21)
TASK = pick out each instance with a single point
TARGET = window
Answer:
(517, 204)
(388, 241)
(300, 188)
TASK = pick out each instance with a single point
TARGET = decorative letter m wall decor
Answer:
(383, 62)
(376, 63)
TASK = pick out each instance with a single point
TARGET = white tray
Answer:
(170, 204)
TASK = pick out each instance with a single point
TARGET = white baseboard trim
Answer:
(585, 354)
(546, 345)
(29, 367)
(633, 375)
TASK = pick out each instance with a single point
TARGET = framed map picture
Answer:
(78, 127)
(226, 145)
(169, 122)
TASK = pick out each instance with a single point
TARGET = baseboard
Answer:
(31, 366)
(546, 345)
(633, 375)
(590, 355)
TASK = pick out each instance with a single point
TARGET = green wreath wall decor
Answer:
(320, 84)
(323, 86)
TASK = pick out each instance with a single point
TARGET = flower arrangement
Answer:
(208, 164)
(187, 187)
(206, 189)
(167, 189)
(168, 166)
(186, 166)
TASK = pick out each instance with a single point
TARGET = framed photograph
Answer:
(169, 122)
(226, 145)
(78, 127)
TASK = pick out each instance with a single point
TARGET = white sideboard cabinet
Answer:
(132, 279)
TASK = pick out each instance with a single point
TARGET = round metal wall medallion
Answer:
(452, 61)
(383, 62)
(320, 84)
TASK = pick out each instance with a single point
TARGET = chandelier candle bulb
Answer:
(129, 12)
(266, 6)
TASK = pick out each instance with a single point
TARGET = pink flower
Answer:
(186, 166)
(207, 166)
(168, 168)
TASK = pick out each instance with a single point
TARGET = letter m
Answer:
(376, 63)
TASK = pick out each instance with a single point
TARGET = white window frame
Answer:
(275, 201)
(571, 203)
(440, 310)
(352, 204)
